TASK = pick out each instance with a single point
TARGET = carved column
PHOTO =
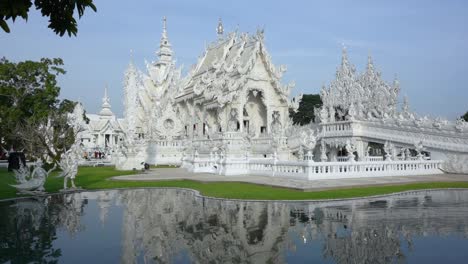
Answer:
(361, 148)
(333, 153)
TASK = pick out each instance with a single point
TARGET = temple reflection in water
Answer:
(170, 225)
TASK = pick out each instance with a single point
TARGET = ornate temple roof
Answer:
(226, 66)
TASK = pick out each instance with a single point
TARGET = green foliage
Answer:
(465, 116)
(305, 113)
(60, 13)
(28, 102)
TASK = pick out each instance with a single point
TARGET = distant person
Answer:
(14, 160)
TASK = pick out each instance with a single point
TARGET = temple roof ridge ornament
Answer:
(344, 55)
(131, 66)
(370, 63)
(220, 29)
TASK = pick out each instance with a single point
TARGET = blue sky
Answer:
(424, 43)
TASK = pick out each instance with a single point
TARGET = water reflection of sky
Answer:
(174, 226)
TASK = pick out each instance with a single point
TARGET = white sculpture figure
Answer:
(323, 152)
(350, 148)
(437, 123)
(460, 124)
(407, 154)
(233, 120)
(300, 153)
(309, 141)
(405, 108)
(388, 148)
(69, 165)
(70, 159)
(419, 147)
(323, 115)
(31, 183)
(351, 112)
(403, 154)
(276, 123)
(368, 151)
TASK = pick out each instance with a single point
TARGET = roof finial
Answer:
(165, 52)
(105, 92)
(370, 63)
(106, 111)
(344, 58)
(220, 29)
(164, 33)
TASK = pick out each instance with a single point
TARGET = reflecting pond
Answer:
(176, 226)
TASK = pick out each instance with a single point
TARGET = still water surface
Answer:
(176, 226)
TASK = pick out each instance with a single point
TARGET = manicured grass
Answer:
(96, 178)
(86, 176)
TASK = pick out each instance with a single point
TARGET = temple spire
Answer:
(220, 29)
(165, 51)
(164, 34)
(370, 63)
(106, 111)
(344, 55)
(131, 56)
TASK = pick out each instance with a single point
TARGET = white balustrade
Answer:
(374, 158)
(313, 170)
(169, 143)
(341, 128)
(342, 159)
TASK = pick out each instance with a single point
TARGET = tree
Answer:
(29, 108)
(59, 12)
(465, 116)
(305, 113)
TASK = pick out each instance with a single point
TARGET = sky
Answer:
(422, 42)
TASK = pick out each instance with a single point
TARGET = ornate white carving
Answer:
(31, 183)
(69, 160)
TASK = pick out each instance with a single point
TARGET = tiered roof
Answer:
(226, 66)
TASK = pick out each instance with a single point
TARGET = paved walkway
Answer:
(181, 174)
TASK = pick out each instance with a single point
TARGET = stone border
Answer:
(199, 195)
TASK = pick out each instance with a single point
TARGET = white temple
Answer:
(103, 131)
(230, 115)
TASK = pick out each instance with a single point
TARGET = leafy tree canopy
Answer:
(305, 113)
(465, 116)
(29, 107)
(59, 12)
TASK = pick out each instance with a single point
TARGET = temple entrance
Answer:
(106, 140)
(254, 114)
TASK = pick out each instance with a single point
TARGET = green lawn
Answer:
(96, 178)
